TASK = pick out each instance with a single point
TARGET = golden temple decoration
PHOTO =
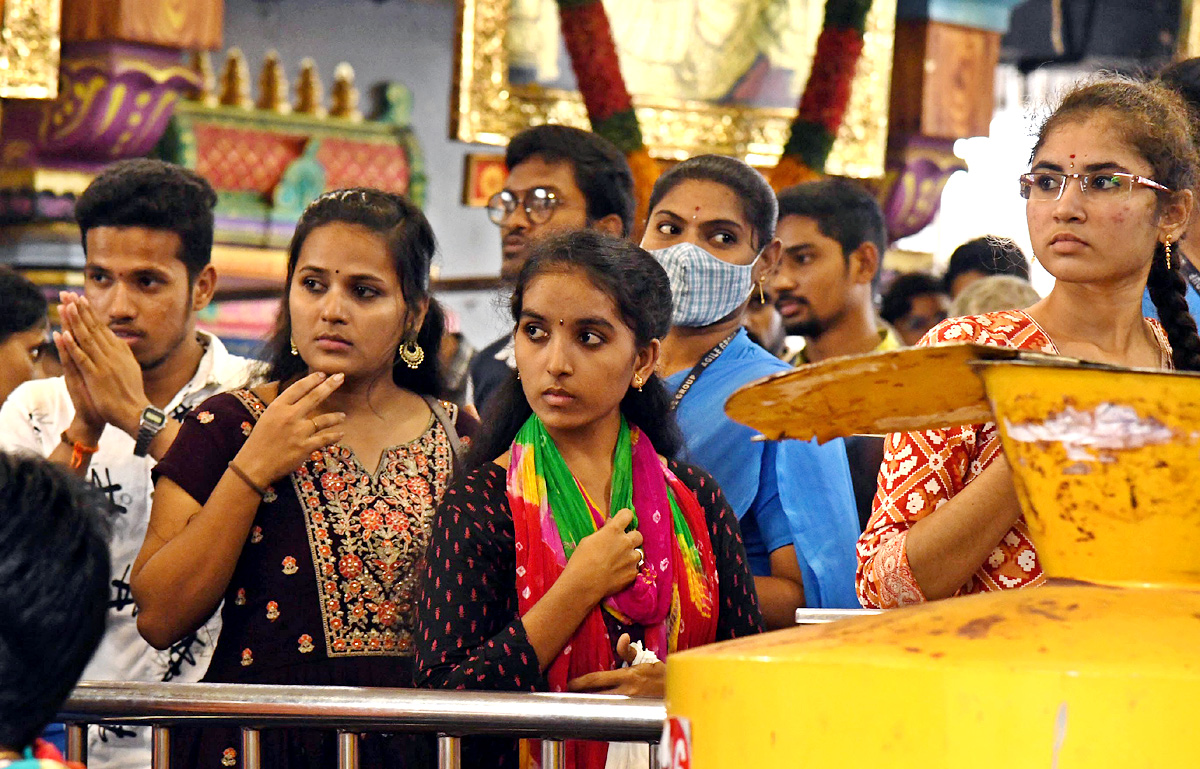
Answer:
(206, 93)
(309, 91)
(30, 46)
(273, 85)
(487, 108)
(344, 96)
(235, 81)
(1187, 44)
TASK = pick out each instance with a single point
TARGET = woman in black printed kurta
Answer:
(589, 311)
(305, 504)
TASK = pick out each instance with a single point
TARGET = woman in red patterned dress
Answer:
(305, 504)
(1109, 194)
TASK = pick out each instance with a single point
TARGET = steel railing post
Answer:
(554, 754)
(449, 752)
(251, 757)
(160, 748)
(347, 750)
(77, 737)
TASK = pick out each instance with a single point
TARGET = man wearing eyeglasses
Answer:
(559, 179)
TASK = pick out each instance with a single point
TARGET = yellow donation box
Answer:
(1098, 668)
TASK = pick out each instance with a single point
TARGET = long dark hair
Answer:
(639, 288)
(1155, 122)
(411, 244)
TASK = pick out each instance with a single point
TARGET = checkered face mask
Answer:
(704, 289)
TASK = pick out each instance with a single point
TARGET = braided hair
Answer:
(1155, 122)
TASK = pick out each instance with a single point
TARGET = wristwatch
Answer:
(152, 422)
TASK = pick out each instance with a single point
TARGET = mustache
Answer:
(784, 296)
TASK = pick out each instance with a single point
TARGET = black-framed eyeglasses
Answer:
(538, 202)
(1041, 186)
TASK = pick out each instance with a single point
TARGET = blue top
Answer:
(1193, 302)
(813, 508)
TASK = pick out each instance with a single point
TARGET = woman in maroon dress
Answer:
(305, 504)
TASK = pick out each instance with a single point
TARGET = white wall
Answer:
(407, 41)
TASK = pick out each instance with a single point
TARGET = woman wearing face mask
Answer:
(571, 533)
(712, 226)
(305, 504)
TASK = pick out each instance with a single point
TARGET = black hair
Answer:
(1155, 121)
(989, 255)
(898, 299)
(843, 210)
(1183, 77)
(601, 171)
(751, 189)
(54, 576)
(639, 288)
(410, 243)
(22, 304)
(155, 195)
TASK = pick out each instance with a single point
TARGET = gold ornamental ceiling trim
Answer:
(30, 46)
(487, 109)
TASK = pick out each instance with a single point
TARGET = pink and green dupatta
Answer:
(674, 597)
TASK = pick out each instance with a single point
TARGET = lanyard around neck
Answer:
(706, 361)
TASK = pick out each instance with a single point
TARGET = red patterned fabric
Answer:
(922, 470)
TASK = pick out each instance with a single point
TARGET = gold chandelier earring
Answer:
(411, 353)
(1167, 253)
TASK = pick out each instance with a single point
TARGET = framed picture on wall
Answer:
(720, 76)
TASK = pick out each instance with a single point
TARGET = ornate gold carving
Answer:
(30, 44)
(273, 85)
(235, 81)
(309, 91)
(1187, 44)
(487, 109)
(206, 92)
(344, 96)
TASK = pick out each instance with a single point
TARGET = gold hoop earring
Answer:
(762, 299)
(1167, 253)
(292, 342)
(411, 353)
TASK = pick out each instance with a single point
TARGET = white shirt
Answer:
(32, 420)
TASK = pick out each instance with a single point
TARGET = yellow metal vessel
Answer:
(1100, 668)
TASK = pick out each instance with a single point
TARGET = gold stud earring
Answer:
(1167, 253)
(411, 353)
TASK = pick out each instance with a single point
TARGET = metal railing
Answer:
(351, 710)
(822, 616)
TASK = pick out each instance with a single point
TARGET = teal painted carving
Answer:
(303, 182)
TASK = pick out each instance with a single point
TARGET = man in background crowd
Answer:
(559, 179)
(834, 237)
(981, 257)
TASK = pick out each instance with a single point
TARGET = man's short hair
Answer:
(989, 255)
(601, 171)
(155, 195)
(897, 300)
(54, 578)
(843, 210)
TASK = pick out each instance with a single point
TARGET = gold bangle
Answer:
(239, 472)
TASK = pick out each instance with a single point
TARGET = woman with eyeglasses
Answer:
(305, 504)
(1108, 197)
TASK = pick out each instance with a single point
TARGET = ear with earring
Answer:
(638, 382)
(411, 353)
